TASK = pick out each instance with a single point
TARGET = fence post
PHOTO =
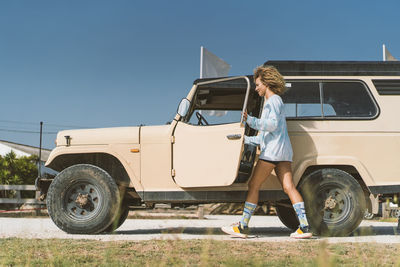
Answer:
(385, 210)
(200, 211)
(38, 207)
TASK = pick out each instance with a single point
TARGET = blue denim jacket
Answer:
(272, 137)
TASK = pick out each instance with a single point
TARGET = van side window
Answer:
(302, 99)
(348, 99)
(328, 100)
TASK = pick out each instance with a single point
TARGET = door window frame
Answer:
(246, 98)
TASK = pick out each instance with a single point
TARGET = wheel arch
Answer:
(346, 168)
(351, 165)
(105, 161)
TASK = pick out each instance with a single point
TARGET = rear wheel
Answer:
(334, 202)
(83, 199)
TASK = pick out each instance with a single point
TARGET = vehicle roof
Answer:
(330, 68)
(337, 68)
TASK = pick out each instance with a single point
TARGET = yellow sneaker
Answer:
(301, 233)
(236, 229)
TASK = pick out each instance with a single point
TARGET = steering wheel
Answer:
(202, 120)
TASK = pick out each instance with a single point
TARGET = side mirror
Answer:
(183, 107)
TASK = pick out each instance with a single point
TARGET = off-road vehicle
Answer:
(343, 122)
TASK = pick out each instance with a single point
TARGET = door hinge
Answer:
(172, 139)
(173, 172)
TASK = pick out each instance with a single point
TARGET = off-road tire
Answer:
(83, 199)
(286, 214)
(334, 202)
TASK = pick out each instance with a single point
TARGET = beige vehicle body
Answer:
(187, 162)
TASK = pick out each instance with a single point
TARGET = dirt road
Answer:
(265, 228)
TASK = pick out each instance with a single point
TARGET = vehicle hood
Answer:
(101, 136)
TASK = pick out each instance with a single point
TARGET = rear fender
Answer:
(300, 168)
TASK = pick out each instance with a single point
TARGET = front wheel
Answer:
(83, 199)
(334, 201)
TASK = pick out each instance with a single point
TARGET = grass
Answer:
(23, 252)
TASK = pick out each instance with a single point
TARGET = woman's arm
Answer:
(252, 140)
(270, 123)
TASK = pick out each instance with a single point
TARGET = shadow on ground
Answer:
(259, 231)
(376, 230)
(270, 231)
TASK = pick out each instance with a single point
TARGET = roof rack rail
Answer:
(336, 68)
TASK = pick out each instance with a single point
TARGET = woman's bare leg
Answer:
(284, 172)
(261, 172)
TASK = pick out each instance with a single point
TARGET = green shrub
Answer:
(16, 171)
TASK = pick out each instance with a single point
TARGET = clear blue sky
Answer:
(122, 63)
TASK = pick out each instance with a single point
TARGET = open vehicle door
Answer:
(209, 140)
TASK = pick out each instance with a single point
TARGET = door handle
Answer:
(233, 136)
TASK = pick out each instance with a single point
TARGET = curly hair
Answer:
(270, 77)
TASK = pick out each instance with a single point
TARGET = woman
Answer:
(276, 152)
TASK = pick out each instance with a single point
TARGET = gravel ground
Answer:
(265, 228)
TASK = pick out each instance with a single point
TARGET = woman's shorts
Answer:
(271, 161)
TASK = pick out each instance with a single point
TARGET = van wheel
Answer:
(334, 202)
(286, 214)
(83, 199)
